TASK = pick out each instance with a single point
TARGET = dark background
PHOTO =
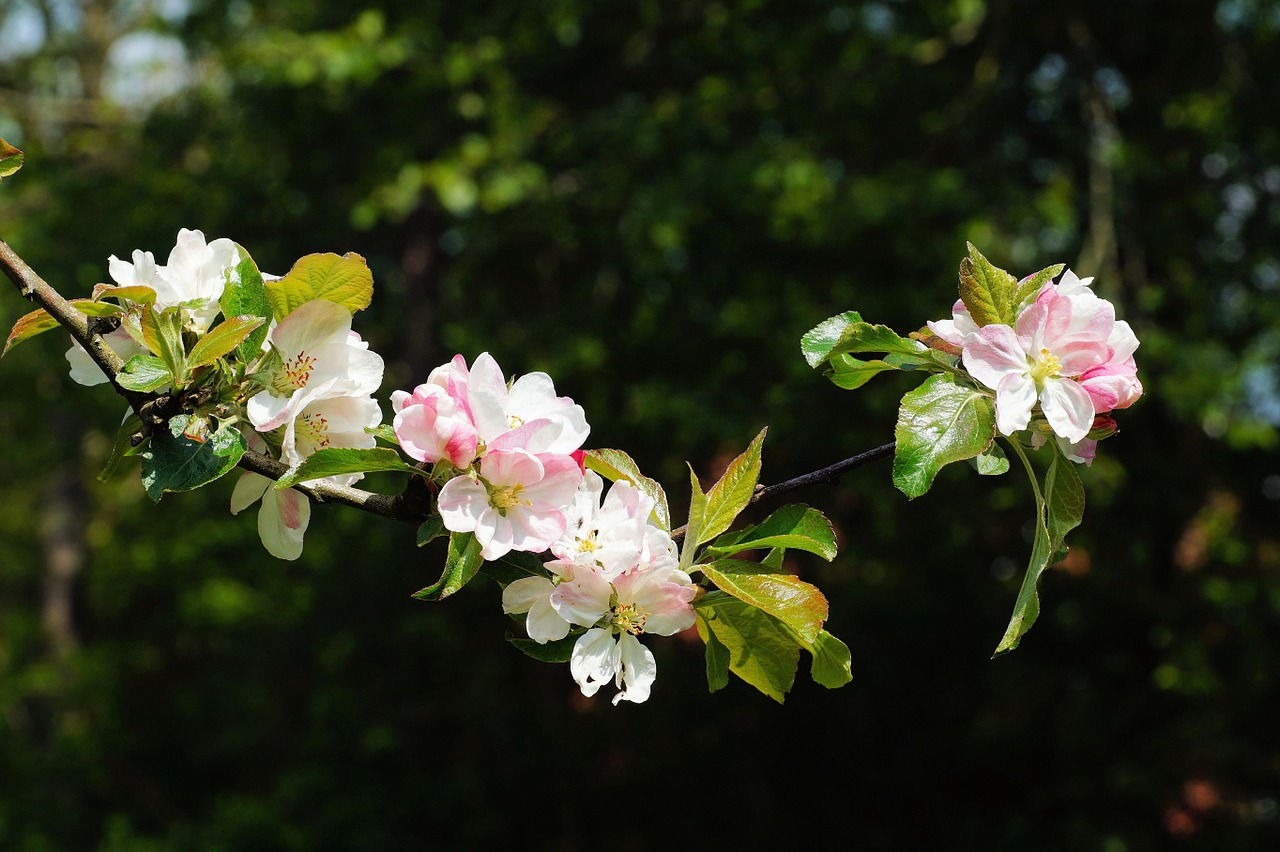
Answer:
(652, 202)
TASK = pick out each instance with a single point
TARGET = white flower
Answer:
(614, 533)
(282, 518)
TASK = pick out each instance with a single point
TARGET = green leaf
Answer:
(761, 649)
(717, 662)
(1029, 286)
(832, 664)
(334, 461)
(38, 322)
(344, 279)
(851, 373)
(986, 290)
(139, 293)
(555, 651)
(461, 564)
(162, 335)
(221, 339)
(794, 526)
(431, 529)
(144, 373)
(10, 159)
(799, 605)
(693, 528)
(173, 461)
(992, 462)
(385, 432)
(865, 337)
(246, 296)
(728, 497)
(516, 565)
(940, 422)
(615, 464)
(123, 446)
(817, 343)
(1058, 511)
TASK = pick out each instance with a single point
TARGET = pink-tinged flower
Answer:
(641, 600)
(282, 518)
(329, 421)
(321, 357)
(955, 330)
(615, 533)
(515, 502)
(1055, 341)
(432, 425)
(544, 422)
(1114, 383)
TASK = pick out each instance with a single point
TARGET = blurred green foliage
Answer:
(652, 202)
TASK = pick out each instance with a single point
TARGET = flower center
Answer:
(629, 617)
(314, 429)
(504, 497)
(1045, 366)
(514, 420)
(295, 373)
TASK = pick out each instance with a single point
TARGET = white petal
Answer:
(312, 325)
(282, 521)
(1068, 408)
(595, 660)
(249, 488)
(520, 595)
(637, 671)
(1015, 398)
(544, 624)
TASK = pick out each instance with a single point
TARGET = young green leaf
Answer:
(10, 159)
(38, 322)
(992, 462)
(245, 295)
(729, 496)
(865, 337)
(615, 464)
(940, 422)
(832, 664)
(693, 528)
(817, 343)
(986, 290)
(385, 433)
(1029, 286)
(221, 339)
(144, 373)
(333, 461)
(794, 526)
(344, 279)
(718, 659)
(162, 335)
(461, 564)
(431, 529)
(173, 461)
(851, 373)
(761, 650)
(799, 605)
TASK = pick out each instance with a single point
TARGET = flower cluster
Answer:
(1066, 362)
(511, 463)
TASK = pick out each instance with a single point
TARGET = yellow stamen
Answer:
(629, 617)
(294, 374)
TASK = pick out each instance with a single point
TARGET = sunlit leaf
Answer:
(245, 296)
(344, 279)
(615, 464)
(122, 447)
(732, 493)
(144, 373)
(817, 343)
(38, 322)
(761, 650)
(986, 290)
(799, 605)
(335, 461)
(10, 159)
(940, 422)
(794, 526)
(221, 339)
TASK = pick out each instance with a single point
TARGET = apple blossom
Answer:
(1054, 341)
(514, 502)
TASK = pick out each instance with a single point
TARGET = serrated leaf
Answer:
(817, 343)
(516, 565)
(245, 295)
(940, 422)
(851, 373)
(865, 337)
(1028, 287)
(797, 604)
(461, 565)
(761, 650)
(384, 432)
(122, 446)
(335, 461)
(555, 651)
(986, 290)
(175, 462)
(732, 493)
(431, 529)
(10, 159)
(344, 279)
(221, 339)
(993, 462)
(615, 464)
(40, 321)
(795, 526)
(693, 528)
(144, 373)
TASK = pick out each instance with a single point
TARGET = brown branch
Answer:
(407, 507)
